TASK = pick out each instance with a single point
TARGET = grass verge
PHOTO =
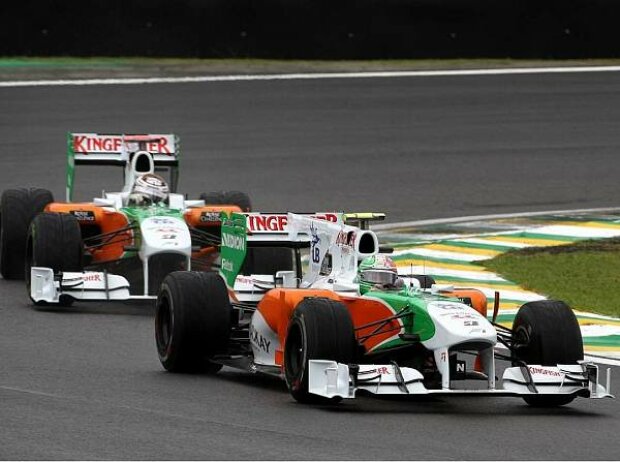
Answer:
(586, 275)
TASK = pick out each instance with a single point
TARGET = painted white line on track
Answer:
(312, 76)
(497, 216)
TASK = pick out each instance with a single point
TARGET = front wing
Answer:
(331, 379)
(45, 286)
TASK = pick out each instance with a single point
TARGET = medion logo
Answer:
(232, 241)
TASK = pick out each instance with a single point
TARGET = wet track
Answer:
(85, 383)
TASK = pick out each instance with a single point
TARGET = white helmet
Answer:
(149, 189)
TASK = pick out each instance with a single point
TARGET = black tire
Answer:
(192, 321)
(54, 241)
(17, 209)
(546, 332)
(213, 197)
(320, 328)
(238, 198)
(426, 282)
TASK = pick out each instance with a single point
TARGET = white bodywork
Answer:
(331, 379)
(87, 285)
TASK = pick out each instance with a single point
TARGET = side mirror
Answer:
(286, 279)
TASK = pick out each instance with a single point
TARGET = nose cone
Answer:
(165, 234)
(458, 323)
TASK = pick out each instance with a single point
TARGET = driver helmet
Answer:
(379, 272)
(149, 189)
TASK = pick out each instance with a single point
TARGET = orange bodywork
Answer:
(277, 307)
(204, 217)
(108, 221)
(367, 310)
(278, 304)
(478, 299)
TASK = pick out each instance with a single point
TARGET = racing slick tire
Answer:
(319, 328)
(192, 321)
(17, 209)
(546, 332)
(426, 282)
(238, 198)
(54, 241)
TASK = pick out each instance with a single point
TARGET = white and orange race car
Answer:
(118, 246)
(311, 299)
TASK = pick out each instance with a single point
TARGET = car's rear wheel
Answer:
(192, 321)
(546, 332)
(54, 241)
(238, 198)
(319, 328)
(17, 209)
(426, 281)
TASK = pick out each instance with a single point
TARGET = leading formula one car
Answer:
(127, 240)
(348, 322)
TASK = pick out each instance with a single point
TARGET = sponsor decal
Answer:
(382, 370)
(227, 265)
(347, 239)
(83, 215)
(210, 217)
(93, 143)
(233, 241)
(163, 221)
(244, 280)
(90, 277)
(258, 340)
(470, 323)
(315, 250)
(458, 368)
(541, 371)
(273, 223)
(447, 306)
(265, 223)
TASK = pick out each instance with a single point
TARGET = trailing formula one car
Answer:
(347, 321)
(128, 241)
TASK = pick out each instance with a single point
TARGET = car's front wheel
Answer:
(546, 332)
(54, 241)
(319, 328)
(192, 321)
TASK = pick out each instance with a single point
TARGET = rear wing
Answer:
(240, 230)
(118, 149)
(333, 243)
(362, 219)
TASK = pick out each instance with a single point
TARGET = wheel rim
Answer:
(522, 336)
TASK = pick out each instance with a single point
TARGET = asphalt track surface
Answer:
(85, 383)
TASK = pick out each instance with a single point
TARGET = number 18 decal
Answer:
(316, 253)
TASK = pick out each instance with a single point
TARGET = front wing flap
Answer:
(331, 379)
(45, 286)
